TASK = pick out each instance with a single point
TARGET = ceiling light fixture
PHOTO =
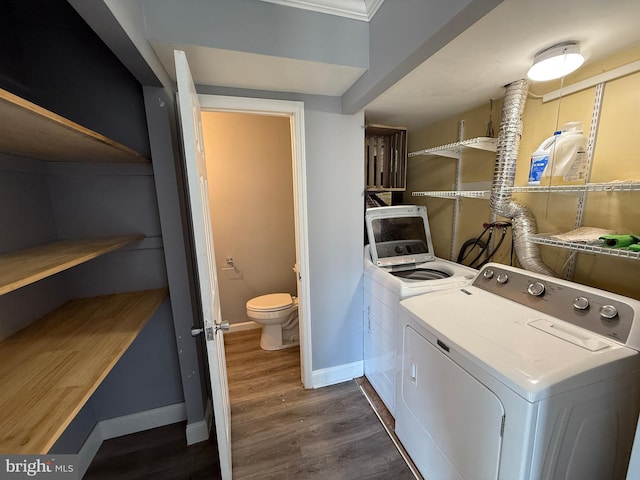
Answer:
(555, 62)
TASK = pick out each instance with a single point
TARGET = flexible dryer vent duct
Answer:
(501, 201)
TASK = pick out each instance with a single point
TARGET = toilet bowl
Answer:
(278, 315)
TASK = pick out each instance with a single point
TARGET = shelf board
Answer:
(49, 369)
(454, 194)
(582, 247)
(589, 187)
(632, 186)
(32, 131)
(23, 267)
(452, 150)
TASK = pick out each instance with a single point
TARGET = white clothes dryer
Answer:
(519, 376)
(399, 262)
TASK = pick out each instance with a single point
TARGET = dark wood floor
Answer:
(158, 454)
(279, 430)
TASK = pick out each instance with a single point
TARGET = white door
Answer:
(196, 171)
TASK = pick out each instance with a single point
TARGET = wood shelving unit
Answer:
(385, 158)
(49, 369)
(32, 131)
(29, 265)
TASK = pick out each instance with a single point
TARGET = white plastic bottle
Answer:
(540, 159)
(568, 157)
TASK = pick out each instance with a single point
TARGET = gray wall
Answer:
(335, 189)
(26, 219)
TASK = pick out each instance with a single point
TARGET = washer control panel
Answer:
(585, 307)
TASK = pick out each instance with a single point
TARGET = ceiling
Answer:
(499, 49)
(468, 72)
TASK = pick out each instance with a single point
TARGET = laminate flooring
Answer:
(279, 430)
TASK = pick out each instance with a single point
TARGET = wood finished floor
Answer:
(279, 430)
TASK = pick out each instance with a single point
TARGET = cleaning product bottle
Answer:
(540, 159)
(568, 157)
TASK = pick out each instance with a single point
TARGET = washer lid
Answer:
(508, 341)
(270, 302)
(399, 235)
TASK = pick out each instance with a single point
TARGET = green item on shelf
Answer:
(635, 247)
(620, 241)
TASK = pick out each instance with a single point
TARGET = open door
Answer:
(196, 172)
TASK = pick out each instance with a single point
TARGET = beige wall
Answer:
(249, 166)
(615, 158)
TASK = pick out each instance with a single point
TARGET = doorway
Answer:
(252, 264)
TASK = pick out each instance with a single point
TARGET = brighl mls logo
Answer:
(58, 467)
(30, 468)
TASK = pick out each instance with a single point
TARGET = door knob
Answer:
(195, 331)
(224, 326)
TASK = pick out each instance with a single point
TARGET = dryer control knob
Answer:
(502, 278)
(536, 289)
(608, 312)
(488, 274)
(581, 303)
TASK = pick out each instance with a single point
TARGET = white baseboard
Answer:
(89, 449)
(237, 327)
(342, 373)
(199, 431)
(145, 420)
(119, 426)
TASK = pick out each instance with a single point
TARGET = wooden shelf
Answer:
(27, 266)
(32, 131)
(49, 370)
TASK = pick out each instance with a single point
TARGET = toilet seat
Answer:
(273, 302)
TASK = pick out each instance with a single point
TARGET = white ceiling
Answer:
(259, 72)
(499, 49)
(465, 74)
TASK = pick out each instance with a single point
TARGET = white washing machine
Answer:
(519, 376)
(398, 263)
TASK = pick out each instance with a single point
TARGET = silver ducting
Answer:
(501, 202)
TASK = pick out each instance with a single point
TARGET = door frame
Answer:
(295, 111)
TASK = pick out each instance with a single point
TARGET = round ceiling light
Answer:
(556, 62)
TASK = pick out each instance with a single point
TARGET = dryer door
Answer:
(448, 421)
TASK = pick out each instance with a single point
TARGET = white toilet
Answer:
(278, 315)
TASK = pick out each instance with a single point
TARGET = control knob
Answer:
(488, 274)
(581, 303)
(502, 278)
(536, 289)
(608, 312)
